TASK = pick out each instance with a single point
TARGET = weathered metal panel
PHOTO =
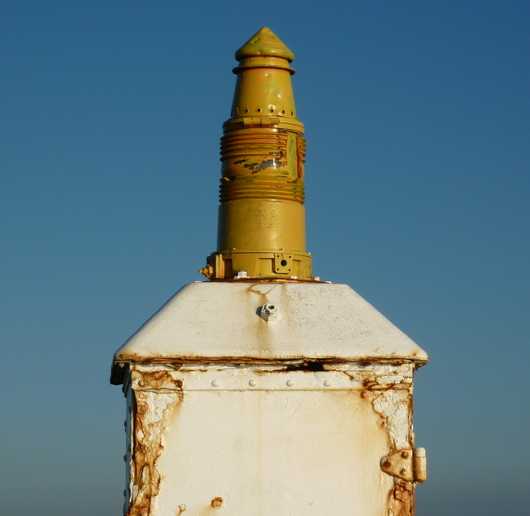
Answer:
(221, 321)
(261, 440)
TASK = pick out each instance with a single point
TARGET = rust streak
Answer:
(401, 499)
(148, 444)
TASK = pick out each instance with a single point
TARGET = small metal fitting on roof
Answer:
(268, 312)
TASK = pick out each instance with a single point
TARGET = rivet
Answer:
(289, 383)
(326, 383)
(214, 383)
(252, 383)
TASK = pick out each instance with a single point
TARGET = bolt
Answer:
(267, 311)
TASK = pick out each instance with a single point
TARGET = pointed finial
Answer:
(264, 43)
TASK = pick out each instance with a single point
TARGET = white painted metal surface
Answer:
(252, 399)
(257, 441)
(311, 320)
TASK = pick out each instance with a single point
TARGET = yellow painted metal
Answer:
(261, 231)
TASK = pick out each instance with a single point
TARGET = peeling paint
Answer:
(393, 407)
(151, 413)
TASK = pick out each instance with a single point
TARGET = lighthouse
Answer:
(263, 390)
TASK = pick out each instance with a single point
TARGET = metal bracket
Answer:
(407, 464)
(282, 263)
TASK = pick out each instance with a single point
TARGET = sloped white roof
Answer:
(220, 320)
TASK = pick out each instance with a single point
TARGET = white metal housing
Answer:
(292, 399)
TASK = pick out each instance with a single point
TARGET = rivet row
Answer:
(252, 383)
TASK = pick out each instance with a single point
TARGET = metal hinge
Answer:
(407, 464)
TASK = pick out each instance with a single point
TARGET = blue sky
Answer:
(418, 186)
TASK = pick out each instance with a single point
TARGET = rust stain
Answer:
(158, 380)
(216, 502)
(176, 362)
(148, 443)
(401, 499)
(262, 331)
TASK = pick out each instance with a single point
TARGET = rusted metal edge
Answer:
(120, 366)
(249, 279)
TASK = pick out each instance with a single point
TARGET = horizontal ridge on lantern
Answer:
(271, 188)
(257, 141)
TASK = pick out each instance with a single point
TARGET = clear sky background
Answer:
(418, 188)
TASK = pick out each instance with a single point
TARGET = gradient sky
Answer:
(418, 187)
